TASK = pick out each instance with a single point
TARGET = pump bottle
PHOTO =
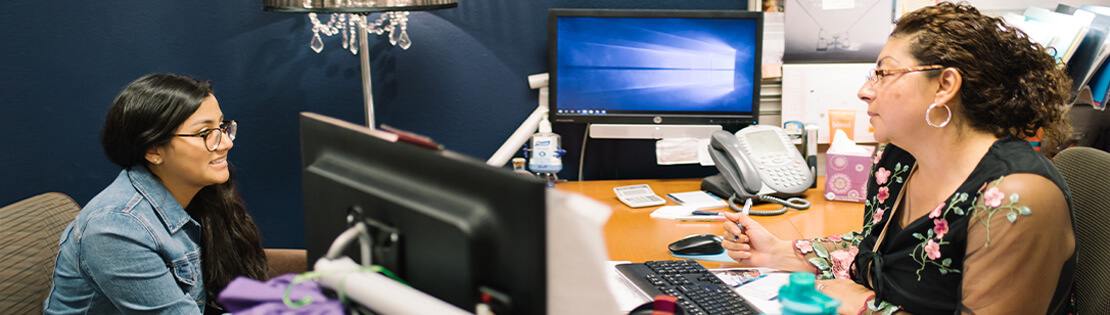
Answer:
(546, 156)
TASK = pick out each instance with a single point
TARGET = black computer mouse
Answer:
(703, 244)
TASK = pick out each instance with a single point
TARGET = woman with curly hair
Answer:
(962, 214)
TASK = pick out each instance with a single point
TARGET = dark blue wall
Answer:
(463, 82)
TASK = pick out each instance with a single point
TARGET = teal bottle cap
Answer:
(799, 297)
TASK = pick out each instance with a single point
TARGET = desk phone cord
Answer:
(792, 202)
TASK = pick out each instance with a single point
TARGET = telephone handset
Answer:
(758, 162)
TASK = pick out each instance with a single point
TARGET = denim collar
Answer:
(163, 203)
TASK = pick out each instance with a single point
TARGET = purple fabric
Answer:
(248, 296)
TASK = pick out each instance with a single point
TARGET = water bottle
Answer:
(546, 157)
(799, 297)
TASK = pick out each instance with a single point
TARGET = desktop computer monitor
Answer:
(653, 67)
(447, 224)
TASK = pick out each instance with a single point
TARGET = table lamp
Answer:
(350, 18)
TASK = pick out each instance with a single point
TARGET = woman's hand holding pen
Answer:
(748, 242)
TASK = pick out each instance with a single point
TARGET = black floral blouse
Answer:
(917, 268)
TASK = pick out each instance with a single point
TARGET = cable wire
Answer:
(792, 202)
(582, 151)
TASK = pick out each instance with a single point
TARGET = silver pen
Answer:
(747, 209)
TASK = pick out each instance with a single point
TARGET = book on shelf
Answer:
(1080, 39)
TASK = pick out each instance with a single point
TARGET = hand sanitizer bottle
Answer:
(800, 298)
(546, 157)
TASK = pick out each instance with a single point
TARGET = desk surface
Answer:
(632, 235)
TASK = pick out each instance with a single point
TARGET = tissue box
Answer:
(846, 174)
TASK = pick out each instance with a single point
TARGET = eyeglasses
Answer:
(877, 75)
(212, 139)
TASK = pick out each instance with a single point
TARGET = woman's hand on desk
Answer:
(757, 247)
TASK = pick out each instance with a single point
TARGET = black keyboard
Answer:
(699, 292)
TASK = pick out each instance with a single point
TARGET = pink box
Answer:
(846, 175)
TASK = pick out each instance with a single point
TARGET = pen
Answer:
(747, 209)
(699, 212)
(702, 218)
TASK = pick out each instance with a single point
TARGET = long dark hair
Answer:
(144, 115)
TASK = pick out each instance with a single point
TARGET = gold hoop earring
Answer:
(946, 120)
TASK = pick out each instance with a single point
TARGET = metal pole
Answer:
(364, 61)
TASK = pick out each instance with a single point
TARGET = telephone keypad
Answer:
(784, 172)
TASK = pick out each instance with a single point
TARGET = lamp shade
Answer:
(355, 6)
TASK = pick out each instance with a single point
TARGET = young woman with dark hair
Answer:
(171, 231)
(962, 215)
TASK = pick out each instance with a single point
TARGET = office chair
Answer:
(1087, 172)
(29, 234)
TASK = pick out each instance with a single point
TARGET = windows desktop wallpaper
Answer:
(633, 64)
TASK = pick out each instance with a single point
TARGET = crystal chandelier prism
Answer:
(347, 17)
(351, 20)
(348, 24)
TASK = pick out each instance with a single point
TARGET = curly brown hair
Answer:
(1011, 86)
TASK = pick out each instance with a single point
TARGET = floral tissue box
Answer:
(846, 173)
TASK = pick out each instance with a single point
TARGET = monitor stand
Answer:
(645, 131)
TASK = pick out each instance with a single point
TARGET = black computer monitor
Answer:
(447, 224)
(619, 66)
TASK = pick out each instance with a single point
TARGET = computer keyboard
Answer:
(699, 292)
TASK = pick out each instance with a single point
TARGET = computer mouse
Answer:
(703, 244)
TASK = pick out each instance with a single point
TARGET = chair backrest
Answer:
(1087, 172)
(29, 234)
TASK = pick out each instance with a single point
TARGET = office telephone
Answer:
(758, 162)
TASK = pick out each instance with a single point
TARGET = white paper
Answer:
(672, 212)
(698, 200)
(838, 4)
(763, 293)
(703, 153)
(674, 151)
(841, 144)
(576, 244)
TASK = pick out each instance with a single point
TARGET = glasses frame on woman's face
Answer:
(212, 139)
(876, 75)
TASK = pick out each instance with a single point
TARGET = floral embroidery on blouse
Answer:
(835, 261)
(876, 207)
(928, 251)
(993, 199)
(833, 256)
(883, 307)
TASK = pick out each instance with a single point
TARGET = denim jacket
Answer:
(132, 248)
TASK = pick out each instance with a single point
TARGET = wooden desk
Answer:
(632, 235)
